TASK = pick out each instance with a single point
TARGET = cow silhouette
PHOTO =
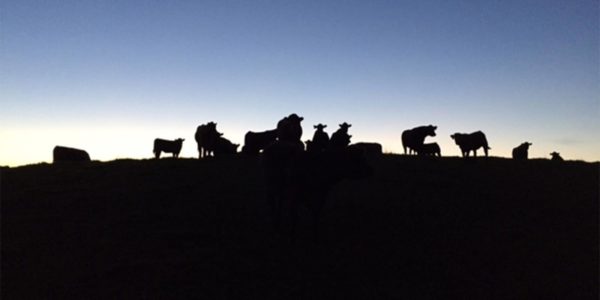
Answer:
(320, 140)
(429, 149)
(254, 142)
(289, 129)
(224, 147)
(414, 138)
(66, 154)
(299, 177)
(340, 139)
(206, 136)
(167, 146)
(556, 156)
(521, 152)
(471, 142)
(370, 150)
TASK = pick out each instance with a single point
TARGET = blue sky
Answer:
(110, 76)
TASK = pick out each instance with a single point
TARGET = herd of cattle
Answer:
(212, 143)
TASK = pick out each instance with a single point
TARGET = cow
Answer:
(167, 146)
(369, 149)
(65, 154)
(320, 140)
(556, 156)
(289, 129)
(471, 142)
(521, 152)
(340, 139)
(224, 147)
(414, 138)
(429, 149)
(206, 137)
(254, 142)
(294, 177)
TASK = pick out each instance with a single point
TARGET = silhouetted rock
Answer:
(369, 149)
(340, 139)
(167, 146)
(254, 142)
(320, 140)
(556, 156)
(66, 154)
(471, 142)
(206, 136)
(414, 138)
(429, 149)
(224, 147)
(521, 152)
(305, 178)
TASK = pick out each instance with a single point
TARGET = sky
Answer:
(111, 76)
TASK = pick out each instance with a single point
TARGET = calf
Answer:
(471, 142)
(301, 178)
(521, 152)
(429, 149)
(167, 146)
(224, 147)
(65, 154)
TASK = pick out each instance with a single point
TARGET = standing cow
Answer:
(206, 136)
(521, 152)
(414, 138)
(471, 142)
(254, 142)
(65, 154)
(167, 146)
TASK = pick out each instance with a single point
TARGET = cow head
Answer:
(431, 130)
(526, 145)
(344, 126)
(320, 127)
(295, 118)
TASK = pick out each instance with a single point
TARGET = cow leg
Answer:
(485, 150)
(475, 153)
(157, 154)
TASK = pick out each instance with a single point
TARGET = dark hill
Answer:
(418, 229)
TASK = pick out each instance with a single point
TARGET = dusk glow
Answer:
(110, 76)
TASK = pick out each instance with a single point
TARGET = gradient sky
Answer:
(110, 76)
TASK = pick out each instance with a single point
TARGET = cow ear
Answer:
(301, 118)
(349, 125)
(324, 126)
(315, 126)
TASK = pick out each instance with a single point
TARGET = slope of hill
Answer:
(417, 229)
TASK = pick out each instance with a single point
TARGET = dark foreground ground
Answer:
(417, 229)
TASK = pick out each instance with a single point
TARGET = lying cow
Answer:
(369, 149)
(471, 142)
(556, 156)
(65, 154)
(521, 152)
(167, 146)
(254, 142)
(224, 147)
(296, 178)
(414, 138)
(429, 149)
